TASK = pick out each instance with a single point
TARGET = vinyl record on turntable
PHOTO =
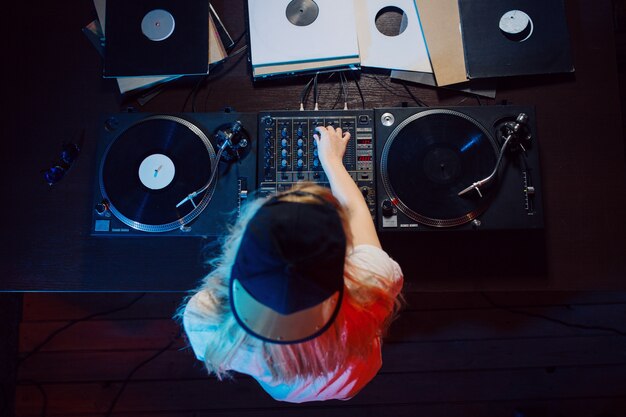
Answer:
(150, 167)
(429, 158)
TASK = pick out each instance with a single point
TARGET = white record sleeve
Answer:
(275, 40)
(406, 51)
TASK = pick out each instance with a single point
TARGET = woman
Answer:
(302, 293)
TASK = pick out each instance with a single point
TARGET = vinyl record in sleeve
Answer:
(156, 38)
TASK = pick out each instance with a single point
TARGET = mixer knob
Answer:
(283, 133)
(268, 134)
(315, 152)
(284, 152)
(387, 208)
(316, 162)
(300, 142)
(300, 153)
(300, 163)
(283, 163)
(283, 143)
(300, 132)
(365, 191)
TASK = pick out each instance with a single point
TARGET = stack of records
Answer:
(145, 43)
(471, 43)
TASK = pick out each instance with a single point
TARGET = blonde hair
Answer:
(353, 332)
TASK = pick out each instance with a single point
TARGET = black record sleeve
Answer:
(489, 53)
(129, 53)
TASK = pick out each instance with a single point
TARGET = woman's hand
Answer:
(331, 145)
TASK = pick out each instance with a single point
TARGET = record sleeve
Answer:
(514, 37)
(173, 43)
(296, 36)
(441, 26)
(405, 51)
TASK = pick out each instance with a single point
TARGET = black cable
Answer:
(305, 93)
(204, 79)
(195, 90)
(73, 322)
(234, 54)
(211, 77)
(137, 368)
(44, 406)
(192, 92)
(239, 38)
(463, 100)
(358, 87)
(551, 319)
(340, 92)
(44, 395)
(418, 101)
(221, 74)
(330, 87)
(315, 92)
(344, 89)
(395, 93)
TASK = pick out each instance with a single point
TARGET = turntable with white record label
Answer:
(173, 174)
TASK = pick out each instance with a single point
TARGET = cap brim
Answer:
(271, 326)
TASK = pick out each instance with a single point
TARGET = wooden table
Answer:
(55, 90)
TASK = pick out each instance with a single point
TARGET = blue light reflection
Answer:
(472, 142)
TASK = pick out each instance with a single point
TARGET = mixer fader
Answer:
(288, 151)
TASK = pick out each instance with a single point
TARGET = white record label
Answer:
(516, 25)
(156, 171)
(158, 25)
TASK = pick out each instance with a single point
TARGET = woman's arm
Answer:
(331, 144)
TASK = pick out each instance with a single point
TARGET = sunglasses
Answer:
(56, 172)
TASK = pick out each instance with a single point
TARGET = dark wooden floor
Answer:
(448, 354)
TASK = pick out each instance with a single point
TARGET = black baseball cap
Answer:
(287, 279)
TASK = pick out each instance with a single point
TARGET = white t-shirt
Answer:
(349, 377)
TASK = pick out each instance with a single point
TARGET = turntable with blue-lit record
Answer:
(457, 168)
